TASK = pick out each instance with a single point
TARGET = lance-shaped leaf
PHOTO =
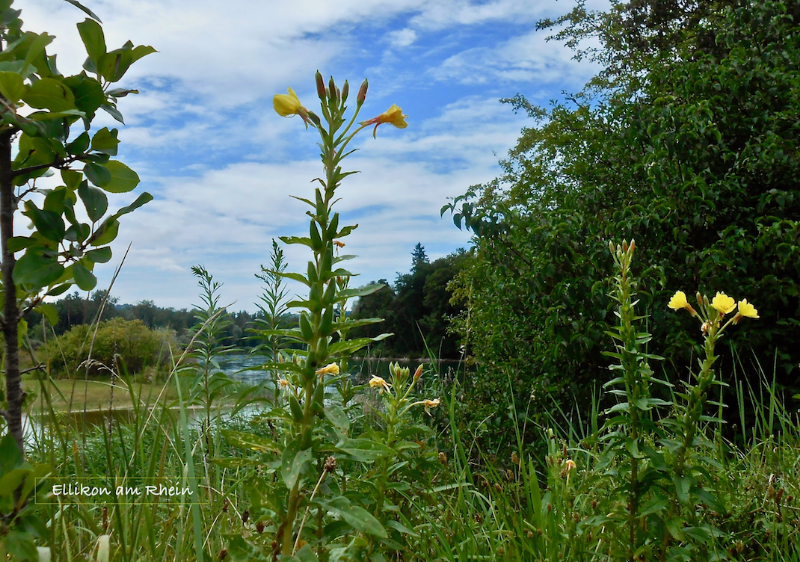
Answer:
(349, 346)
(365, 450)
(361, 292)
(292, 463)
(358, 518)
(249, 441)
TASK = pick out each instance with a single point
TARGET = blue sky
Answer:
(221, 163)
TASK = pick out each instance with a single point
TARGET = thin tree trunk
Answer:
(14, 394)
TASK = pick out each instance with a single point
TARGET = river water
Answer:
(240, 368)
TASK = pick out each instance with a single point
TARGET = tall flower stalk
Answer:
(322, 332)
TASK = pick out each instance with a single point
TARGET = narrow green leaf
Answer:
(337, 416)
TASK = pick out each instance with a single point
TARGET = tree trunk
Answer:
(14, 395)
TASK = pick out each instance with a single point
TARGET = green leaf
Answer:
(12, 86)
(93, 39)
(48, 311)
(143, 199)
(363, 291)
(48, 223)
(106, 233)
(79, 145)
(97, 174)
(18, 243)
(113, 66)
(88, 93)
(357, 517)
(250, 441)
(136, 54)
(296, 240)
(100, 255)
(10, 455)
(95, 201)
(84, 9)
(365, 450)
(36, 47)
(242, 551)
(106, 141)
(349, 346)
(84, 278)
(305, 554)
(123, 179)
(337, 416)
(50, 94)
(292, 463)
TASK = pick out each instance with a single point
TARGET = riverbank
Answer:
(73, 395)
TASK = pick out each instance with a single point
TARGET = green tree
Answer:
(39, 111)
(687, 141)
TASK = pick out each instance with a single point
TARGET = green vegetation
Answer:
(115, 345)
(681, 450)
(416, 310)
(687, 142)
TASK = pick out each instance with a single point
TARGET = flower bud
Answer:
(418, 373)
(362, 93)
(320, 86)
(345, 90)
(314, 118)
(332, 89)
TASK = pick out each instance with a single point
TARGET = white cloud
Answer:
(222, 190)
(402, 38)
(522, 59)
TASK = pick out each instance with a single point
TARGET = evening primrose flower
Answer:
(332, 369)
(283, 383)
(287, 105)
(379, 383)
(723, 303)
(745, 310)
(428, 404)
(678, 301)
(570, 464)
(393, 115)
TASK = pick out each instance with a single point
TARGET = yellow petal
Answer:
(331, 369)
(286, 105)
(678, 301)
(747, 309)
(723, 303)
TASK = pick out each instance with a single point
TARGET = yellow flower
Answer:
(678, 301)
(747, 309)
(283, 383)
(723, 303)
(393, 115)
(570, 465)
(332, 369)
(430, 404)
(377, 382)
(287, 105)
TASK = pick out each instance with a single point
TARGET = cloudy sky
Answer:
(221, 163)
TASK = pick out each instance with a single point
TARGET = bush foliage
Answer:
(137, 346)
(687, 142)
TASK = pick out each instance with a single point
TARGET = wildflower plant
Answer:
(655, 468)
(301, 494)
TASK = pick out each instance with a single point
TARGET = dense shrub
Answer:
(688, 143)
(138, 346)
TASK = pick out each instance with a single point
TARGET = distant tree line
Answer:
(75, 310)
(416, 309)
